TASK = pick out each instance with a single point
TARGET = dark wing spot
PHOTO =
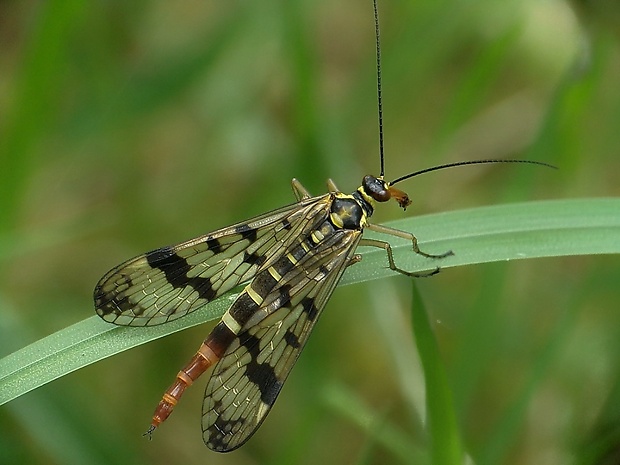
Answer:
(291, 339)
(323, 271)
(246, 232)
(167, 261)
(309, 308)
(176, 270)
(286, 224)
(254, 259)
(261, 374)
(160, 257)
(203, 286)
(214, 245)
(285, 296)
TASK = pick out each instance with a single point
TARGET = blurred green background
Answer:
(125, 126)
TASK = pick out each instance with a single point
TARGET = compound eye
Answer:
(376, 188)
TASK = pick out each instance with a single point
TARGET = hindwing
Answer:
(247, 380)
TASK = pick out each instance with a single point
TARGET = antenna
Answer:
(380, 114)
(472, 162)
(379, 100)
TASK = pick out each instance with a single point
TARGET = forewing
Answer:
(247, 380)
(171, 282)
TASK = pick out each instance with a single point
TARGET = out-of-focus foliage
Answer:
(125, 126)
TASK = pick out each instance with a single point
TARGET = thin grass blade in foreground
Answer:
(504, 232)
(440, 413)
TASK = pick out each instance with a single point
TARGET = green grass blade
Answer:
(506, 232)
(500, 233)
(441, 419)
(84, 343)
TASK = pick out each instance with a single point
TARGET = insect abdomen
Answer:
(211, 350)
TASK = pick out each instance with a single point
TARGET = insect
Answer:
(290, 260)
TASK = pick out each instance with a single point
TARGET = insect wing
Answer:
(168, 283)
(247, 380)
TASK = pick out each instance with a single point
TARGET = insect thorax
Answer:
(350, 211)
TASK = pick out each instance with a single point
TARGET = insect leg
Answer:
(331, 185)
(354, 259)
(388, 250)
(405, 235)
(300, 191)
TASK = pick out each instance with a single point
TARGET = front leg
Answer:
(405, 235)
(331, 186)
(354, 259)
(299, 190)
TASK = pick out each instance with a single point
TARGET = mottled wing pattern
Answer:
(246, 381)
(171, 282)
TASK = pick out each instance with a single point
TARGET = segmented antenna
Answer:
(463, 163)
(380, 111)
(379, 100)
